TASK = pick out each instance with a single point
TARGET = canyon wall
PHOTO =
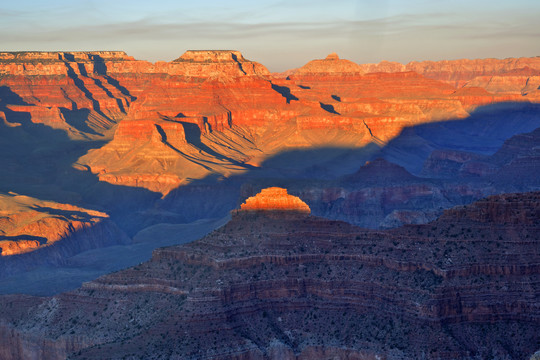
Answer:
(35, 232)
(215, 112)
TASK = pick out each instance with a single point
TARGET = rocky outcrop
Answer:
(331, 65)
(275, 199)
(381, 194)
(462, 287)
(208, 63)
(71, 91)
(34, 232)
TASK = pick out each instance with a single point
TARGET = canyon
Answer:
(103, 130)
(342, 210)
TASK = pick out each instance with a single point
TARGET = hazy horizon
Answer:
(279, 34)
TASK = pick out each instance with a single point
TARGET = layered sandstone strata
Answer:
(236, 113)
(71, 91)
(514, 78)
(234, 117)
(275, 199)
(34, 232)
(326, 103)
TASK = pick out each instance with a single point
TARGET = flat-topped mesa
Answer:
(65, 63)
(275, 199)
(211, 63)
(331, 65)
(211, 56)
(28, 56)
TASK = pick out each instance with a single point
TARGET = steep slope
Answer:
(285, 285)
(515, 165)
(34, 232)
(390, 98)
(382, 194)
(72, 91)
(216, 113)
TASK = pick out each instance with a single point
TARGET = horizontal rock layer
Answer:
(274, 199)
(329, 102)
(35, 232)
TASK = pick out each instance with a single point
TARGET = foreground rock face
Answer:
(299, 287)
(34, 232)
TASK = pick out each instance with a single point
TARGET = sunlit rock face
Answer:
(331, 65)
(34, 232)
(70, 91)
(233, 115)
(207, 63)
(216, 112)
(275, 199)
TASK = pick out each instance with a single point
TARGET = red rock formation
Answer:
(224, 100)
(326, 103)
(331, 65)
(208, 63)
(507, 84)
(384, 102)
(214, 112)
(33, 231)
(275, 199)
(68, 91)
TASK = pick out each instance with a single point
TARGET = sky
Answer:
(279, 34)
